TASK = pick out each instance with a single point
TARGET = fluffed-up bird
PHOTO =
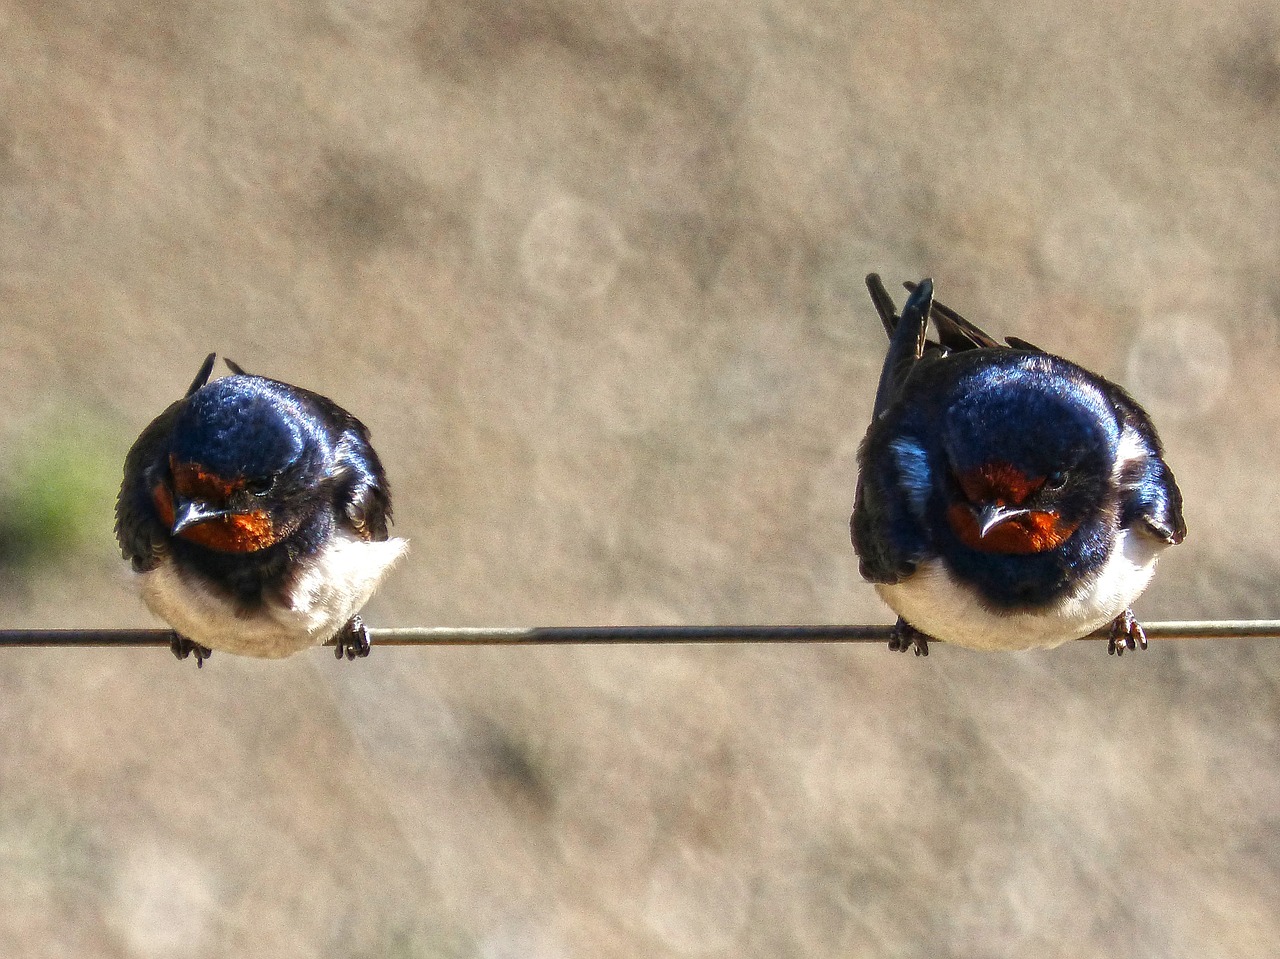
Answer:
(255, 514)
(1007, 498)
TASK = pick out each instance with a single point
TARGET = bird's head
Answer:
(1029, 456)
(241, 471)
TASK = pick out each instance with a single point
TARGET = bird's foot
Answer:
(352, 640)
(183, 647)
(904, 636)
(1126, 633)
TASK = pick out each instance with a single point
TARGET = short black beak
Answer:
(993, 515)
(191, 513)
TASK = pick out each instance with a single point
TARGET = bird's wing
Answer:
(955, 333)
(883, 303)
(362, 494)
(1020, 344)
(142, 536)
(907, 341)
(1150, 500)
(887, 522)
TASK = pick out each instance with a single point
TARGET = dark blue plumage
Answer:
(248, 425)
(256, 513)
(1006, 497)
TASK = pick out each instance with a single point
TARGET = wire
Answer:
(614, 635)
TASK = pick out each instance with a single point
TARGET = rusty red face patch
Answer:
(191, 481)
(234, 533)
(163, 500)
(1001, 483)
(1034, 532)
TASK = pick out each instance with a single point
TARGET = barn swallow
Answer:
(1007, 498)
(255, 514)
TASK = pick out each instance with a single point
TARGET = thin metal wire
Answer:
(614, 635)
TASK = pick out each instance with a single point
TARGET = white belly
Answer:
(935, 603)
(333, 587)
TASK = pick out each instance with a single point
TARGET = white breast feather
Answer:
(331, 588)
(935, 602)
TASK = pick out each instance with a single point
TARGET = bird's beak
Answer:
(192, 512)
(993, 515)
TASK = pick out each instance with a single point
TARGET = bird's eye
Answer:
(1055, 480)
(258, 485)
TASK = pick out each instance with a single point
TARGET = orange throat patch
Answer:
(235, 533)
(1034, 532)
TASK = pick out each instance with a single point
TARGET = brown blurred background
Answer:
(592, 274)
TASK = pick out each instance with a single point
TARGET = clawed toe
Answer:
(1126, 633)
(904, 636)
(353, 640)
(183, 647)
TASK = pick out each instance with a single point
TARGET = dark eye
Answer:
(258, 485)
(1055, 481)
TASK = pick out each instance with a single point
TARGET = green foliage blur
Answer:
(57, 495)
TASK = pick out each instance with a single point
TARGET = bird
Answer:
(255, 516)
(1007, 498)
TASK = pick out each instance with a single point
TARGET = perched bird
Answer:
(1007, 498)
(255, 514)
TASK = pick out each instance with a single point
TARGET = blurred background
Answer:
(592, 274)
